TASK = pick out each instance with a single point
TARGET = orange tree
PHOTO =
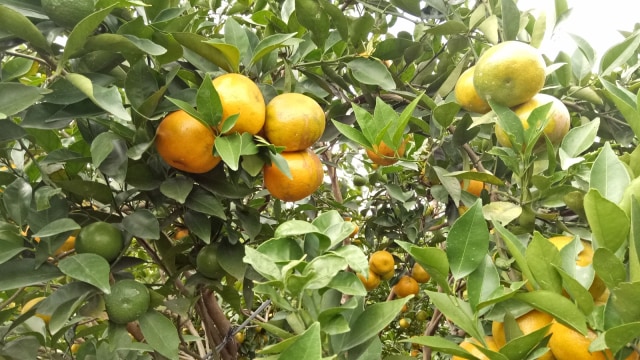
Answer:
(83, 94)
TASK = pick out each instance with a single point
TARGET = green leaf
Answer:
(81, 32)
(17, 97)
(371, 321)
(262, 263)
(468, 241)
(371, 72)
(448, 28)
(273, 42)
(609, 267)
(511, 124)
(501, 211)
(17, 24)
(304, 346)
(409, 6)
(622, 300)
(609, 223)
(19, 273)
(618, 337)
(444, 114)
(142, 223)
(130, 46)
(208, 103)
(231, 147)
(102, 146)
(451, 184)
(204, 202)
(541, 255)
(440, 344)
(510, 20)
(352, 134)
(516, 249)
(312, 16)
(432, 259)
(577, 291)
(609, 175)
(634, 240)
(561, 308)
(230, 259)
(577, 140)
(57, 227)
(177, 188)
(483, 282)
(10, 131)
(625, 102)
(295, 227)
(225, 58)
(90, 268)
(160, 333)
(521, 346)
(236, 36)
(87, 189)
(107, 98)
(619, 54)
(17, 199)
(457, 311)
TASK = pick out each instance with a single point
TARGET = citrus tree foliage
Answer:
(78, 111)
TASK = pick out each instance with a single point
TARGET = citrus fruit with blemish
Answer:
(100, 238)
(509, 73)
(306, 171)
(406, 286)
(466, 94)
(381, 262)
(128, 300)
(419, 273)
(185, 143)
(471, 346)
(559, 119)
(240, 95)
(381, 154)
(294, 121)
(371, 282)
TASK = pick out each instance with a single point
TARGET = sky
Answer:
(598, 22)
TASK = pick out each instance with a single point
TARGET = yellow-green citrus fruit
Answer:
(509, 73)
(67, 13)
(466, 94)
(557, 126)
(128, 300)
(207, 262)
(294, 121)
(306, 176)
(240, 95)
(100, 238)
(185, 143)
(585, 258)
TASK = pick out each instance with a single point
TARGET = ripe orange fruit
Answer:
(568, 344)
(207, 262)
(185, 143)
(381, 262)
(419, 273)
(240, 95)
(30, 304)
(370, 283)
(100, 238)
(466, 94)
(556, 128)
(470, 347)
(474, 187)
(68, 245)
(528, 323)
(383, 155)
(307, 176)
(294, 121)
(406, 286)
(509, 73)
(128, 300)
(585, 258)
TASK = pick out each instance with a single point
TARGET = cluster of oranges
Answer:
(292, 121)
(564, 343)
(512, 74)
(382, 267)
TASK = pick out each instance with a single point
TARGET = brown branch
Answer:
(210, 330)
(222, 324)
(134, 329)
(429, 331)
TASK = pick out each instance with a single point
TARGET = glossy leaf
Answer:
(618, 337)
(90, 268)
(577, 140)
(232, 147)
(199, 44)
(17, 24)
(432, 259)
(82, 31)
(510, 19)
(19, 273)
(177, 188)
(108, 98)
(619, 54)
(271, 43)
(609, 223)
(17, 199)
(371, 72)
(562, 309)
(483, 282)
(304, 346)
(467, 242)
(541, 257)
(57, 227)
(142, 223)
(458, 311)
(160, 333)
(372, 320)
(609, 175)
(17, 97)
(622, 300)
